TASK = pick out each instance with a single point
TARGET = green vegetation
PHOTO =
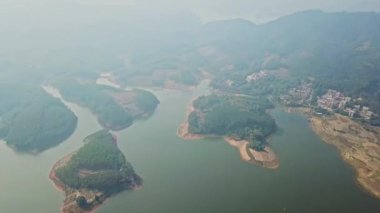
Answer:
(31, 120)
(99, 165)
(81, 202)
(338, 51)
(241, 117)
(115, 108)
(145, 100)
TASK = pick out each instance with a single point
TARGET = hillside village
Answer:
(298, 96)
(331, 101)
(337, 101)
(256, 76)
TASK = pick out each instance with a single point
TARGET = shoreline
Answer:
(183, 129)
(357, 146)
(266, 159)
(60, 186)
(168, 85)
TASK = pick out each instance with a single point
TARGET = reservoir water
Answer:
(196, 176)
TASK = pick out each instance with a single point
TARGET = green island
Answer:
(31, 120)
(242, 120)
(324, 65)
(93, 173)
(115, 109)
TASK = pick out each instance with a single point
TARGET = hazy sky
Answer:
(256, 10)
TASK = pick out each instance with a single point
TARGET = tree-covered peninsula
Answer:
(241, 117)
(115, 109)
(242, 120)
(93, 173)
(31, 120)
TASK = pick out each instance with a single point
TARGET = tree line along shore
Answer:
(93, 173)
(241, 120)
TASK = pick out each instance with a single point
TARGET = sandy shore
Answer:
(58, 183)
(183, 130)
(358, 146)
(241, 146)
(69, 205)
(267, 158)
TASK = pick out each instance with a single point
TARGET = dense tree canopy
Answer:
(32, 120)
(115, 108)
(99, 164)
(241, 117)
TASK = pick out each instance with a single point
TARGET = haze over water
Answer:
(196, 176)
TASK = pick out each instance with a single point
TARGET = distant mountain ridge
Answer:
(339, 51)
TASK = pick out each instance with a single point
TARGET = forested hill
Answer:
(243, 118)
(115, 109)
(94, 173)
(314, 43)
(31, 120)
(337, 51)
(99, 165)
(326, 46)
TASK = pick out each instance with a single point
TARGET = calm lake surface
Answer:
(196, 176)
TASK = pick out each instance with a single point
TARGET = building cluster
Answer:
(256, 76)
(299, 95)
(334, 100)
(366, 113)
(302, 93)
